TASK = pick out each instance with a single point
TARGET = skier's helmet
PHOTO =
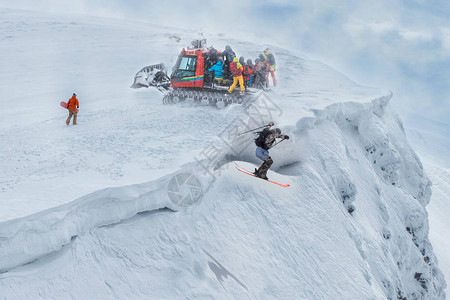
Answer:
(256, 60)
(278, 130)
(228, 48)
(242, 60)
(249, 62)
(261, 57)
(74, 94)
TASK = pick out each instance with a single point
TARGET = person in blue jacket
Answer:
(218, 68)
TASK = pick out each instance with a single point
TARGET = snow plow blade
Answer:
(154, 75)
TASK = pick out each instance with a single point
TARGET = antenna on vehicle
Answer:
(198, 44)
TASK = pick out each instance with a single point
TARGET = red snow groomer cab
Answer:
(189, 71)
(190, 78)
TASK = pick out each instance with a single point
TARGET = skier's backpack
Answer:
(246, 72)
(260, 141)
(234, 69)
(271, 59)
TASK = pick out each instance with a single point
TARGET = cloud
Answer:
(401, 46)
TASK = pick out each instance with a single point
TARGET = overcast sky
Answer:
(403, 46)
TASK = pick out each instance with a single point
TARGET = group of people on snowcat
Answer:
(224, 67)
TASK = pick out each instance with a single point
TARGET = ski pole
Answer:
(268, 125)
(276, 143)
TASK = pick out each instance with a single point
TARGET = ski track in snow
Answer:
(244, 239)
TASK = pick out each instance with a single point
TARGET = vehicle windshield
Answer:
(186, 67)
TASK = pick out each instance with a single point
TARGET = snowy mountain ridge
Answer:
(387, 231)
(352, 225)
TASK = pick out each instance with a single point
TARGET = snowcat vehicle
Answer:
(190, 79)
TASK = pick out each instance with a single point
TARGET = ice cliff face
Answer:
(364, 159)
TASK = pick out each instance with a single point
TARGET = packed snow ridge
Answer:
(354, 215)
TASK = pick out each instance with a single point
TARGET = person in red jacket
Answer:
(72, 106)
(247, 72)
(251, 72)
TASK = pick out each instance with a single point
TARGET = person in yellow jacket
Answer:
(236, 69)
(272, 65)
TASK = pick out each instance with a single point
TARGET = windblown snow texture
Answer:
(352, 225)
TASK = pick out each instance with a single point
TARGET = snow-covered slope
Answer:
(240, 237)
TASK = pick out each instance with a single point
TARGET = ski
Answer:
(239, 168)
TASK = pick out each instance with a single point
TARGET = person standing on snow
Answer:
(242, 60)
(228, 55)
(264, 68)
(217, 68)
(247, 72)
(72, 106)
(211, 58)
(236, 69)
(264, 142)
(272, 66)
(257, 73)
(251, 68)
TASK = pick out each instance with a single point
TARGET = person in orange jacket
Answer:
(72, 106)
(236, 69)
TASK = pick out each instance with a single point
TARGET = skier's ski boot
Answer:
(263, 177)
(67, 123)
(260, 175)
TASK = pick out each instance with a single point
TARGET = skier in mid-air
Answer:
(264, 142)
